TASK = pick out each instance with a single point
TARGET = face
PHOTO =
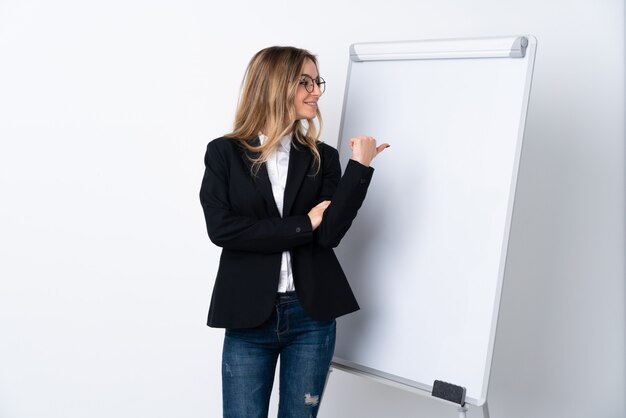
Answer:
(305, 103)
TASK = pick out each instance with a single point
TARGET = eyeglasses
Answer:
(309, 83)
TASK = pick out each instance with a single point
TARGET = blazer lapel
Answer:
(262, 179)
(299, 160)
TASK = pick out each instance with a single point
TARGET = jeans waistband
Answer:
(286, 296)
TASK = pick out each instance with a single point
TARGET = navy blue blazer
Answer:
(242, 218)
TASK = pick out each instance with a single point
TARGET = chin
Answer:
(306, 116)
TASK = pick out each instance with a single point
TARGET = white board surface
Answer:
(426, 254)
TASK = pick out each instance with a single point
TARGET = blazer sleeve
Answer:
(346, 194)
(234, 231)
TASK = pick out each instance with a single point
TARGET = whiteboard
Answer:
(426, 254)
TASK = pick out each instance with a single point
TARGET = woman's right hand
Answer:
(316, 214)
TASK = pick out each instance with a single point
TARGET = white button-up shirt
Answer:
(277, 167)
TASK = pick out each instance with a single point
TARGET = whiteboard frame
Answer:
(508, 47)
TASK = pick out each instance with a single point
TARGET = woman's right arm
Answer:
(231, 230)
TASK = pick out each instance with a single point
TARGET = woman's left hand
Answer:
(364, 149)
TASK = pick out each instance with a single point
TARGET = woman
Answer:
(275, 201)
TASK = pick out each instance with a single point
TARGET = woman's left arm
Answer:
(346, 194)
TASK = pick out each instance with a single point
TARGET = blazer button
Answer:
(363, 181)
(298, 229)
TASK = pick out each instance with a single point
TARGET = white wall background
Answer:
(105, 267)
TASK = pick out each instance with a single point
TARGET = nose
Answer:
(316, 90)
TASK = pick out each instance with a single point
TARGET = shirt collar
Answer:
(284, 143)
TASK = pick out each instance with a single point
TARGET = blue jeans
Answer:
(249, 360)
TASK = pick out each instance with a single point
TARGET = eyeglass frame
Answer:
(304, 81)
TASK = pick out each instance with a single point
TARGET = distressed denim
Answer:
(249, 361)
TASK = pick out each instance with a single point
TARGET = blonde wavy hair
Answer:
(266, 104)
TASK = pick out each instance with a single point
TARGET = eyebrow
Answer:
(309, 76)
